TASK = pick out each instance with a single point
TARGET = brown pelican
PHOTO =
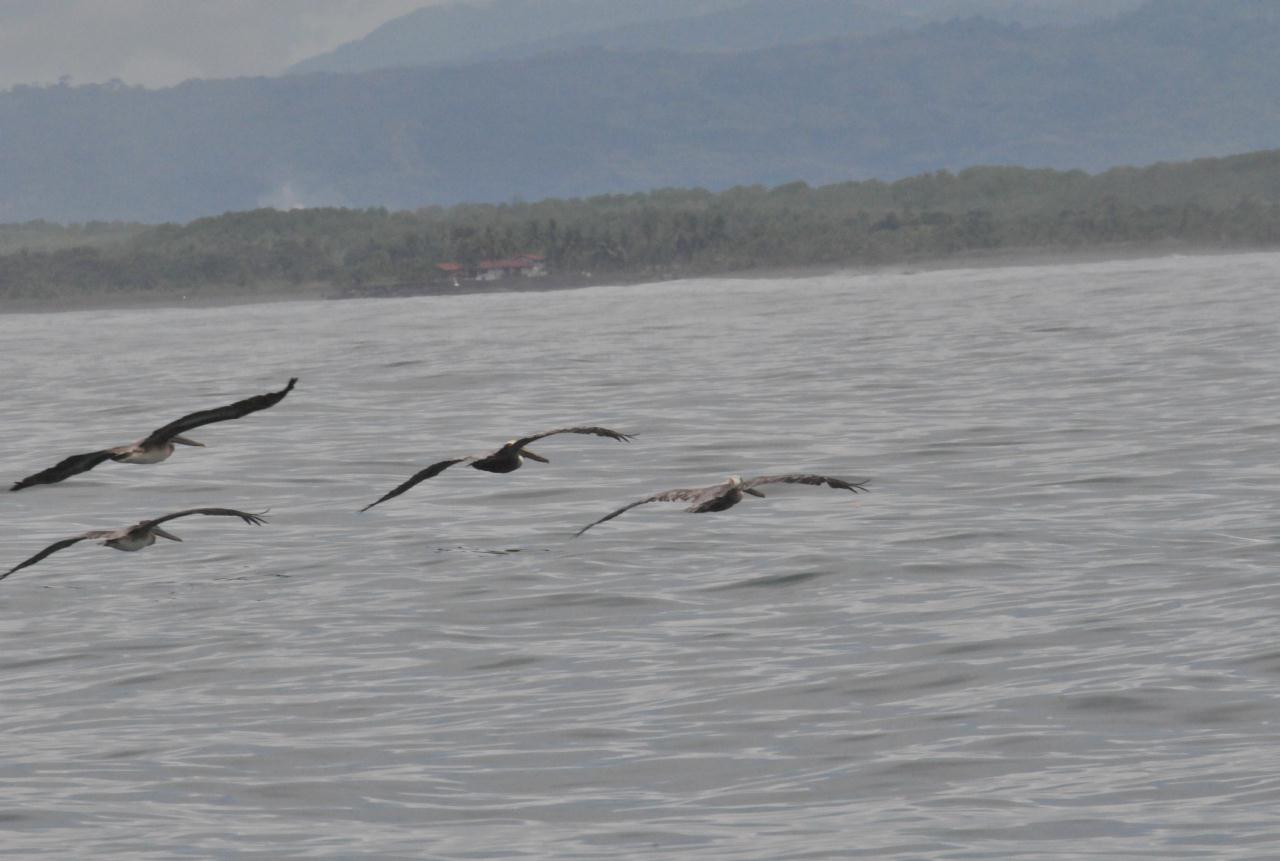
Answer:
(719, 497)
(137, 536)
(159, 445)
(509, 458)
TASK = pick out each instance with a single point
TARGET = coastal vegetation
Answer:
(1219, 203)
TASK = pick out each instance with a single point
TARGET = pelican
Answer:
(508, 458)
(159, 444)
(136, 537)
(720, 497)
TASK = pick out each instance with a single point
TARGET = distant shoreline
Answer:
(996, 258)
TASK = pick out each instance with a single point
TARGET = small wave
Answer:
(769, 580)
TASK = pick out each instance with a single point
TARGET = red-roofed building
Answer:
(525, 265)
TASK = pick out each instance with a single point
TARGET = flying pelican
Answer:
(719, 497)
(509, 458)
(137, 536)
(159, 445)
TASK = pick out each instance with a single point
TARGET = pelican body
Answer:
(136, 539)
(722, 497)
(159, 444)
(508, 458)
(138, 536)
(142, 452)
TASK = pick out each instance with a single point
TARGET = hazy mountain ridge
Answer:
(510, 29)
(465, 32)
(1172, 81)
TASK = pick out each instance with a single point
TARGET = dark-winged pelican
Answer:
(135, 537)
(159, 445)
(509, 458)
(719, 497)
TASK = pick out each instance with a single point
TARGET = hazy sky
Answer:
(161, 42)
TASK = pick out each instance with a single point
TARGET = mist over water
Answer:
(1048, 631)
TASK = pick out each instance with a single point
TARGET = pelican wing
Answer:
(595, 431)
(254, 519)
(237, 410)
(52, 548)
(418, 477)
(802, 478)
(678, 495)
(73, 465)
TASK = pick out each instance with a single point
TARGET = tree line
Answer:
(1217, 203)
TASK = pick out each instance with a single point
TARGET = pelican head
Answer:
(185, 441)
(158, 531)
(735, 483)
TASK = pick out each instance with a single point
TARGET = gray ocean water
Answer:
(1050, 630)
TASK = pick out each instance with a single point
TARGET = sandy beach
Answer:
(240, 295)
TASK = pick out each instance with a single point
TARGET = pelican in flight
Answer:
(135, 537)
(159, 445)
(509, 458)
(719, 497)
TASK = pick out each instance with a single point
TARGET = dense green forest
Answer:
(1210, 203)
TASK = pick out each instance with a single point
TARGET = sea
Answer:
(1048, 631)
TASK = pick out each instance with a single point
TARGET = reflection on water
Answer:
(1048, 631)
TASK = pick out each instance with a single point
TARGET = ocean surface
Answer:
(1049, 631)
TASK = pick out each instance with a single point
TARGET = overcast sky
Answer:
(162, 42)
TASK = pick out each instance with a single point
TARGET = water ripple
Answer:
(1046, 632)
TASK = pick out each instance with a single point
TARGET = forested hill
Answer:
(1175, 79)
(1210, 203)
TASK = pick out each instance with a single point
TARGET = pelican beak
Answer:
(184, 441)
(158, 531)
(753, 492)
(539, 458)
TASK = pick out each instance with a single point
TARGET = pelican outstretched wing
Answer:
(803, 478)
(52, 548)
(253, 519)
(73, 465)
(678, 495)
(595, 431)
(159, 436)
(419, 476)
